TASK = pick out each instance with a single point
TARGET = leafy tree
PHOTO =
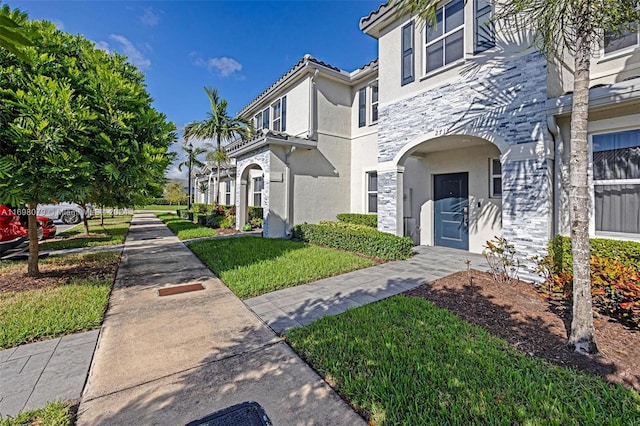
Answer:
(221, 127)
(576, 27)
(13, 36)
(74, 105)
(174, 192)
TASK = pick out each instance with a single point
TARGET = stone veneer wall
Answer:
(505, 99)
(262, 158)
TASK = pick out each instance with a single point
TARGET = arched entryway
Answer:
(251, 194)
(450, 189)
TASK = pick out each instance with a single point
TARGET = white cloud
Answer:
(150, 18)
(135, 56)
(223, 65)
(103, 45)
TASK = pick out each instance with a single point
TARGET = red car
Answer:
(14, 232)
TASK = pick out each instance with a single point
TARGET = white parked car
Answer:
(68, 213)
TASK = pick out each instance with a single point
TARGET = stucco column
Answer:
(241, 204)
(390, 194)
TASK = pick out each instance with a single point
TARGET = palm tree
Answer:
(576, 27)
(218, 125)
(191, 161)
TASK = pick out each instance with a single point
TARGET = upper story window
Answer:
(262, 119)
(627, 39)
(484, 31)
(279, 109)
(369, 92)
(445, 38)
(408, 64)
(374, 102)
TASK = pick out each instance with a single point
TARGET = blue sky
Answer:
(239, 47)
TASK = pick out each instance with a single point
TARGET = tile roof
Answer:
(299, 65)
(375, 14)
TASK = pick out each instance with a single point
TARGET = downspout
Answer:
(287, 177)
(312, 107)
(557, 180)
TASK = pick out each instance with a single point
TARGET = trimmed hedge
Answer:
(615, 276)
(370, 220)
(627, 252)
(356, 238)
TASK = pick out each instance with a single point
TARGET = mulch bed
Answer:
(52, 276)
(535, 325)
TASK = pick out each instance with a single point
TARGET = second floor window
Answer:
(627, 39)
(262, 120)
(445, 38)
(280, 115)
(362, 107)
(374, 102)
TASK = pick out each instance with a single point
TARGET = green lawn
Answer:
(54, 414)
(75, 304)
(113, 232)
(184, 229)
(252, 266)
(405, 361)
(162, 207)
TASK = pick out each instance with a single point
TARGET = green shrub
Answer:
(370, 220)
(356, 238)
(228, 222)
(615, 276)
(201, 219)
(255, 213)
(214, 220)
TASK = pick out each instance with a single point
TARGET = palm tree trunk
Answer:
(32, 264)
(217, 185)
(582, 337)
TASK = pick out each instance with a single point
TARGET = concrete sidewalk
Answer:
(35, 374)
(303, 304)
(173, 359)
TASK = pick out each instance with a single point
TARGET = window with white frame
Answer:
(258, 121)
(279, 109)
(372, 192)
(262, 119)
(495, 178)
(227, 192)
(370, 108)
(627, 39)
(445, 38)
(258, 186)
(616, 181)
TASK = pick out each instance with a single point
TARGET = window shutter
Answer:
(484, 28)
(362, 107)
(407, 53)
(284, 114)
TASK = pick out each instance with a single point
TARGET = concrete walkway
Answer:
(173, 359)
(303, 304)
(33, 375)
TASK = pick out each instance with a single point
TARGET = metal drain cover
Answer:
(245, 414)
(168, 291)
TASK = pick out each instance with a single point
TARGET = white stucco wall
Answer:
(389, 45)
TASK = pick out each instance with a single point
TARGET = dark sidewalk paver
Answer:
(38, 373)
